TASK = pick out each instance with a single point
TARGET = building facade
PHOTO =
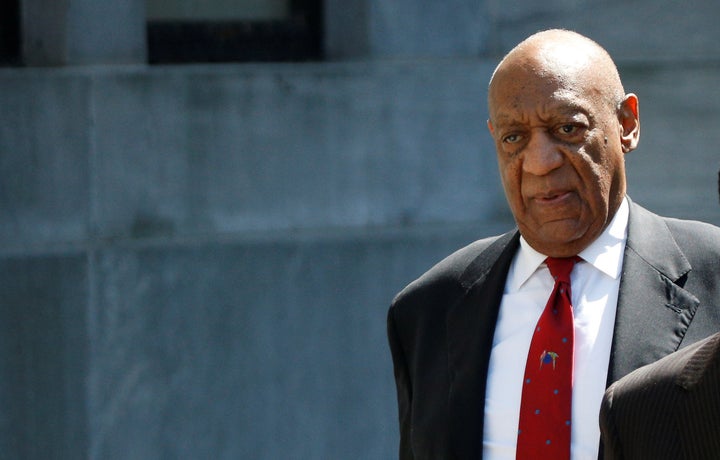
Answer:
(198, 247)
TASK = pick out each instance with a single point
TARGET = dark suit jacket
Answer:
(441, 326)
(668, 410)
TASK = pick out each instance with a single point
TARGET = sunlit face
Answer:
(560, 153)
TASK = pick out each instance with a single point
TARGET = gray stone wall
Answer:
(196, 261)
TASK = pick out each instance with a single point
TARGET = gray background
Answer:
(196, 261)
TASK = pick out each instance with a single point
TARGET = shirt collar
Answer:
(605, 253)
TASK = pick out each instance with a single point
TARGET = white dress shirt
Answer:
(595, 282)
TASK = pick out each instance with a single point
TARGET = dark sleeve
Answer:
(609, 434)
(404, 389)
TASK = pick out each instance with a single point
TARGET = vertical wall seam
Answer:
(91, 255)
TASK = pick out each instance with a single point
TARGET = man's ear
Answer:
(629, 117)
(490, 127)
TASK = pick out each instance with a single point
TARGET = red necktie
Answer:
(546, 408)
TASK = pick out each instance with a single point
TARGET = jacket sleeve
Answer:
(404, 388)
(611, 443)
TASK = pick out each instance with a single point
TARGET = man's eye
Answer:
(569, 129)
(511, 138)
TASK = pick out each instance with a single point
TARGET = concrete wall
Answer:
(196, 261)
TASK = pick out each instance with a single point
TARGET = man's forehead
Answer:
(562, 49)
(543, 70)
(523, 101)
(568, 58)
(564, 61)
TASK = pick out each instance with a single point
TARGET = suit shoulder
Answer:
(637, 414)
(695, 233)
(648, 378)
(446, 274)
(699, 241)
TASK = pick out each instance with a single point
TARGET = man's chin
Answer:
(557, 239)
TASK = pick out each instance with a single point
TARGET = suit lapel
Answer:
(653, 311)
(653, 314)
(470, 329)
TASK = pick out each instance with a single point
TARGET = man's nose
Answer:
(542, 154)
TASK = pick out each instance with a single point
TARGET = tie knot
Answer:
(560, 267)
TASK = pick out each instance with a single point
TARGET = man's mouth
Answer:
(552, 196)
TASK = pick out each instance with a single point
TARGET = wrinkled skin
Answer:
(562, 126)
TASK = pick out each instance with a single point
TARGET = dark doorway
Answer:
(295, 37)
(10, 32)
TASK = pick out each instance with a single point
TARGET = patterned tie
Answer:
(546, 408)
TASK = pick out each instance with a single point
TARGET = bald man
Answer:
(463, 336)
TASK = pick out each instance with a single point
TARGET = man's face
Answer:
(561, 156)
